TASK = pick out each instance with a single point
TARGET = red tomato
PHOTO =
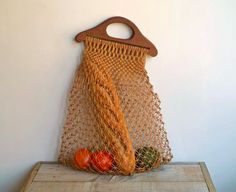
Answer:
(82, 158)
(102, 161)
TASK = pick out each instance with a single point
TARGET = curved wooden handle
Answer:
(137, 38)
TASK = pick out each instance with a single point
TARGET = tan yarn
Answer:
(112, 107)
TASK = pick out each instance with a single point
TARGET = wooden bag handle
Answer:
(137, 38)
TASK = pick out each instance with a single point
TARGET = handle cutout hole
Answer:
(119, 30)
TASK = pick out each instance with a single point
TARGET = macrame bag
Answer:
(113, 123)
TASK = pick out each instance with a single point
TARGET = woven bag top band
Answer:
(111, 49)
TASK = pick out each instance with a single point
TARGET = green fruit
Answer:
(146, 157)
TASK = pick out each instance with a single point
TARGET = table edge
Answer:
(207, 177)
(203, 167)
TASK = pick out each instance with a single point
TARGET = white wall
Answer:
(194, 75)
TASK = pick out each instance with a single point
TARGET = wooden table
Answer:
(181, 177)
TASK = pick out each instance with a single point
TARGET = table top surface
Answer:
(181, 177)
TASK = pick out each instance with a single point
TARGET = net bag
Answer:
(113, 123)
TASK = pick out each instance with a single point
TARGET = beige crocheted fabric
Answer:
(112, 107)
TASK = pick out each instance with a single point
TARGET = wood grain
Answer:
(181, 177)
(119, 187)
(50, 172)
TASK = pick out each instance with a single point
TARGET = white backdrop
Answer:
(194, 75)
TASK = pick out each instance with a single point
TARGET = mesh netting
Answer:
(113, 123)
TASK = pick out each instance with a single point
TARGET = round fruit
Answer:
(102, 161)
(146, 157)
(82, 158)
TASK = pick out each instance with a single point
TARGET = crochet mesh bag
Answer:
(113, 123)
